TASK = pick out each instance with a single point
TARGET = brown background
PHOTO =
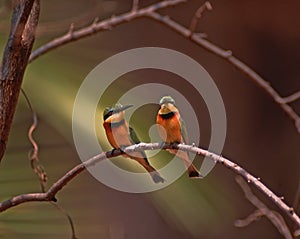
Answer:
(261, 138)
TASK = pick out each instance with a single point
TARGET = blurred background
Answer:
(260, 137)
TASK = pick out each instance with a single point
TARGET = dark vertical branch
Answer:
(14, 61)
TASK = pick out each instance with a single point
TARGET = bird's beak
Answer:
(124, 107)
(164, 106)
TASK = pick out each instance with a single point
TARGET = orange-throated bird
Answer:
(173, 130)
(119, 135)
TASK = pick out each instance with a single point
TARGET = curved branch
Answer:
(56, 187)
(227, 55)
(274, 217)
(101, 26)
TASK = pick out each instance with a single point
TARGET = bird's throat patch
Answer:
(117, 124)
(168, 115)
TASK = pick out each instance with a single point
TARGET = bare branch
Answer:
(296, 206)
(227, 55)
(297, 233)
(263, 210)
(66, 214)
(198, 14)
(14, 62)
(101, 26)
(255, 216)
(291, 98)
(56, 187)
(36, 166)
(296, 203)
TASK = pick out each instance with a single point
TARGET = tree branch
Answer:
(198, 14)
(296, 206)
(56, 187)
(255, 216)
(14, 61)
(263, 210)
(227, 55)
(33, 155)
(107, 24)
(292, 97)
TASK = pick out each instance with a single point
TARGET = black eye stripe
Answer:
(108, 114)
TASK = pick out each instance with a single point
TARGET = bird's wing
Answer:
(133, 136)
(183, 131)
(135, 140)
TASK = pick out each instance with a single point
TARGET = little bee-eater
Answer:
(119, 134)
(172, 130)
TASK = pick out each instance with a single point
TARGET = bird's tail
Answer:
(192, 170)
(142, 159)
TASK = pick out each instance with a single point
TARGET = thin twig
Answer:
(101, 26)
(291, 98)
(135, 5)
(198, 14)
(227, 55)
(66, 214)
(255, 216)
(296, 203)
(273, 216)
(296, 206)
(56, 187)
(36, 166)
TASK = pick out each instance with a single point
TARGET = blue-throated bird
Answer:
(172, 130)
(119, 135)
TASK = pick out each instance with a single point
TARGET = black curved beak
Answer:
(124, 107)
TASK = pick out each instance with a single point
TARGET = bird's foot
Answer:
(114, 151)
(174, 145)
(157, 178)
(195, 175)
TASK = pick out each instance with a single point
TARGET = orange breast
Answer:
(117, 136)
(170, 131)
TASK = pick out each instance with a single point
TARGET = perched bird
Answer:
(173, 130)
(119, 135)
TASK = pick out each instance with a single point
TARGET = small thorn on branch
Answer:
(71, 29)
(135, 5)
(198, 14)
(95, 21)
(94, 24)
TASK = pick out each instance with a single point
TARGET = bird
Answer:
(120, 134)
(171, 128)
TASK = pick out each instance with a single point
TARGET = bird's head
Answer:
(167, 105)
(166, 99)
(115, 113)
